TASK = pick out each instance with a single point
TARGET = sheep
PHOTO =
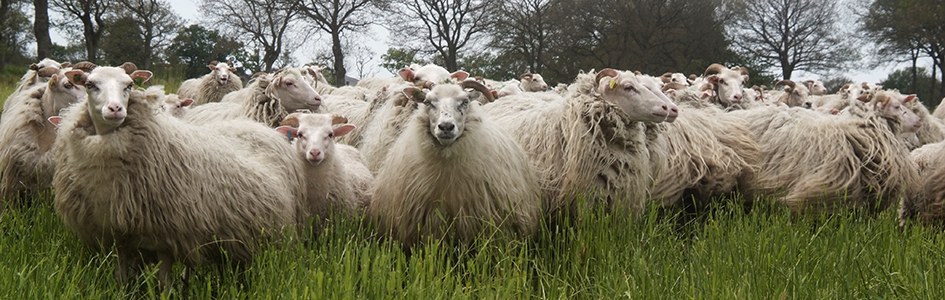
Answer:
(174, 105)
(527, 82)
(454, 174)
(267, 100)
(337, 177)
(726, 83)
(704, 153)
(382, 130)
(26, 163)
(39, 72)
(164, 191)
(816, 87)
(359, 112)
(794, 94)
(591, 142)
(678, 78)
(927, 129)
(818, 163)
(431, 73)
(940, 110)
(928, 205)
(211, 87)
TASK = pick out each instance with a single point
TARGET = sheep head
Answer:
(108, 90)
(641, 100)
(291, 89)
(315, 134)
(727, 83)
(446, 107)
(176, 106)
(795, 94)
(221, 73)
(892, 105)
(531, 82)
(816, 87)
(62, 93)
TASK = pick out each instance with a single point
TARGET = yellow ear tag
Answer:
(613, 83)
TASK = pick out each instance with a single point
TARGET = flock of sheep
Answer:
(223, 167)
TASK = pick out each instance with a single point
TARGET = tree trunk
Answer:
(786, 70)
(450, 60)
(339, 63)
(91, 42)
(915, 71)
(269, 58)
(41, 29)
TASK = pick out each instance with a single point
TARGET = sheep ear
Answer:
(211, 67)
(55, 120)
(414, 93)
(288, 131)
(77, 77)
(460, 75)
(186, 102)
(909, 98)
(291, 120)
(714, 79)
(526, 76)
(343, 130)
(141, 75)
(406, 74)
(54, 79)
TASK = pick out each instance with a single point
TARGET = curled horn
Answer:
(291, 120)
(338, 119)
(673, 86)
(34, 67)
(424, 84)
(47, 71)
(85, 66)
(666, 77)
(608, 72)
(714, 69)
(470, 84)
(787, 83)
(129, 67)
(525, 74)
(66, 64)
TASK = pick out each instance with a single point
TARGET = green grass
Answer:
(728, 255)
(731, 254)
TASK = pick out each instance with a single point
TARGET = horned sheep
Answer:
(454, 173)
(164, 191)
(267, 100)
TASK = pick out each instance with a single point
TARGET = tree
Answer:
(14, 25)
(41, 28)
(447, 25)
(195, 46)
(122, 42)
(523, 31)
(398, 58)
(901, 80)
(912, 27)
(156, 23)
(335, 18)
(92, 14)
(266, 24)
(792, 34)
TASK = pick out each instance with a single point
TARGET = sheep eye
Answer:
(299, 135)
(331, 134)
(91, 86)
(289, 84)
(629, 88)
(67, 85)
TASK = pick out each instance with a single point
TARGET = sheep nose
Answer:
(315, 153)
(115, 108)
(674, 109)
(737, 97)
(446, 126)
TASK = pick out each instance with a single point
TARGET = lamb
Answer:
(337, 177)
(176, 106)
(454, 174)
(211, 87)
(868, 165)
(267, 100)
(677, 78)
(527, 82)
(591, 142)
(164, 191)
(927, 129)
(26, 163)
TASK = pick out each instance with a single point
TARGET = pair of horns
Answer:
(293, 120)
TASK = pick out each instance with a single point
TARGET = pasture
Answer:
(761, 254)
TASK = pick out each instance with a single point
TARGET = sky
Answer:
(378, 41)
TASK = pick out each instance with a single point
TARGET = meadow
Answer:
(729, 253)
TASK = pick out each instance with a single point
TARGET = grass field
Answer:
(730, 254)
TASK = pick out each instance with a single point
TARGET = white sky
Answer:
(378, 41)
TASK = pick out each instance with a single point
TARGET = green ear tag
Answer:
(613, 83)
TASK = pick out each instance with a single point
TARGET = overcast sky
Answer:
(379, 41)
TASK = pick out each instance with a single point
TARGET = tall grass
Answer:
(731, 254)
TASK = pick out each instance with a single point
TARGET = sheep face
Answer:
(294, 92)
(176, 106)
(795, 94)
(446, 106)
(221, 72)
(315, 134)
(641, 100)
(533, 83)
(893, 105)
(108, 89)
(59, 84)
(728, 86)
(816, 87)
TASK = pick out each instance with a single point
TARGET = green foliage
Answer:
(833, 84)
(926, 87)
(122, 42)
(15, 32)
(195, 46)
(398, 58)
(762, 254)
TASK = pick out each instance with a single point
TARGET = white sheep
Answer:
(816, 87)
(591, 142)
(176, 106)
(528, 82)
(337, 179)
(940, 110)
(726, 84)
(26, 162)
(454, 174)
(431, 73)
(678, 78)
(164, 191)
(359, 112)
(928, 205)
(794, 94)
(37, 74)
(211, 87)
(387, 123)
(267, 100)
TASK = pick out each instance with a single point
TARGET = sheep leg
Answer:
(164, 271)
(129, 265)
